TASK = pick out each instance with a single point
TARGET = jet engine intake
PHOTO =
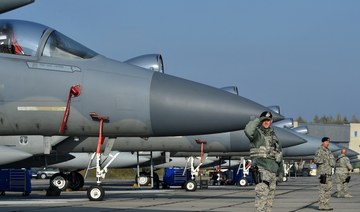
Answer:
(152, 62)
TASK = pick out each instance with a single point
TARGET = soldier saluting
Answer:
(325, 161)
(267, 159)
(343, 166)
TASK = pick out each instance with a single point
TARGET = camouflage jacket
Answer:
(324, 161)
(259, 139)
(343, 164)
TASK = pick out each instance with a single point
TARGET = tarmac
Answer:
(297, 194)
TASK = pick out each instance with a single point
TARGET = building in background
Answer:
(354, 143)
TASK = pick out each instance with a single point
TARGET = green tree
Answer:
(324, 119)
(301, 120)
(331, 120)
(338, 120)
(316, 119)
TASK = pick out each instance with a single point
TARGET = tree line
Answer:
(339, 119)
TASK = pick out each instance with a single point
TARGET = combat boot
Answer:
(325, 207)
(347, 196)
(321, 206)
(339, 195)
(328, 208)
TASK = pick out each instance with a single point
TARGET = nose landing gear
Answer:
(96, 192)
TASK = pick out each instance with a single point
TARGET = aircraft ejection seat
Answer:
(8, 43)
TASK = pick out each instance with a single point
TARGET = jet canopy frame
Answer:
(33, 39)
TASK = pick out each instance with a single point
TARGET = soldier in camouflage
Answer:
(267, 160)
(325, 162)
(343, 166)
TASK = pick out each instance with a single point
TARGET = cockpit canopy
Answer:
(32, 39)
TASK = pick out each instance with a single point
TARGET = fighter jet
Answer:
(235, 141)
(45, 74)
(308, 149)
(33, 149)
(52, 85)
(18, 148)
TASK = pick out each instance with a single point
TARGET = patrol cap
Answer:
(266, 115)
(325, 139)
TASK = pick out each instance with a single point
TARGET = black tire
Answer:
(76, 181)
(59, 180)
(190, 185)
(95, 193)
(156, 180)
(53, 191)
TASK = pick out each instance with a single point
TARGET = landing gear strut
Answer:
(191, 184)
(96, 192)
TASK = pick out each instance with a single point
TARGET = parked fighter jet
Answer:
(31, 147)
(301, 151)
(308, 149)
(52, 85)
(46, 74)
(235, 141)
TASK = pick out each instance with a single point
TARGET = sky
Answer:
(300, 55)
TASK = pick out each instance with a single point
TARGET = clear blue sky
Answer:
(300, 55)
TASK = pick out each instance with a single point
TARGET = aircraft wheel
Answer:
(190, 185)
(243, 182)
(285, 179)
(95, 193)
(143, 180)
(76, 181)
(60, 181)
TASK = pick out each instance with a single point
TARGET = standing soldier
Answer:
(343, 166)
(266, 157)
(325, 161)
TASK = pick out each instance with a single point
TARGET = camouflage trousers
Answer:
(325, 192)
(341, 185)
(265, 191)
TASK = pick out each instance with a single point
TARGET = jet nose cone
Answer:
(183, 107)
(288, 138)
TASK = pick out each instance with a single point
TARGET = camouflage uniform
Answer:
(325, 161)
(266, 154)
(343, 166)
